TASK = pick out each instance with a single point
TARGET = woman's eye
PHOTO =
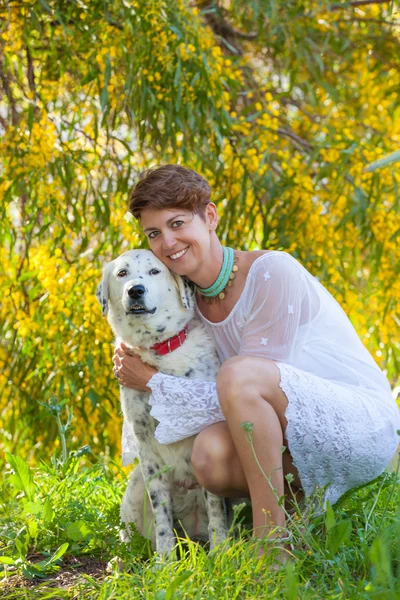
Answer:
(179, 223)
(122, 273)
(154, 272)
(152, 235)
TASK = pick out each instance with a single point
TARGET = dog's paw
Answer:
(167, 555)
(217, 536)
(161, 561)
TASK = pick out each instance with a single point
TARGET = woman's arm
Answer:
(183, 406)
(130, 370)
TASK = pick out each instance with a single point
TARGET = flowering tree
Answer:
(289, 109)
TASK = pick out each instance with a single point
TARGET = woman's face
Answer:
(178, 237)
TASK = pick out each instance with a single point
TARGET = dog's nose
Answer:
(136, 291)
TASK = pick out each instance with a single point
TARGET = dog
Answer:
(147, 304)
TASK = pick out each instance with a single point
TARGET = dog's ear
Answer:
(185, 290)
(102, 292)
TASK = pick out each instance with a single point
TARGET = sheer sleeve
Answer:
(276, 308)
(182, 406)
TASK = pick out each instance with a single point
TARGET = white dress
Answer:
(342, 419)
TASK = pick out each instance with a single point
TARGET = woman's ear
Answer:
(212, 216)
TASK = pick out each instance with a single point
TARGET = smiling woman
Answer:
(292, 364)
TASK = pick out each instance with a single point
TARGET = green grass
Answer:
(59, 518)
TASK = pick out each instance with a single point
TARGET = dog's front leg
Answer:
(158, 487)
(217, 527)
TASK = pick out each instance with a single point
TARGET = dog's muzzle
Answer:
(136, 292)
(135, 304)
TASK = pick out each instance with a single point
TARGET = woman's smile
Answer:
(178, 255)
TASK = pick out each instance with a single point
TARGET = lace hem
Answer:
(337, 438)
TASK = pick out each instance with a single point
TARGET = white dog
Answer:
(147, 304)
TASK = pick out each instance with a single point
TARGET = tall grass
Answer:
(68, 508)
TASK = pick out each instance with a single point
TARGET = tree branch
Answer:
(7, 89)
(296, 138)
(351, 20)
(293, 102)
(357, 3)
(30, 71)
(214, 16)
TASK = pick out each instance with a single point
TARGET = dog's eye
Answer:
(154, 272)
(122, 273)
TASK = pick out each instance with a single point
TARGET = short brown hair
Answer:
(170, 186)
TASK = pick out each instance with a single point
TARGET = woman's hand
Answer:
(130, 370)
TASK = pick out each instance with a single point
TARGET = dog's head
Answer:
(137, 285)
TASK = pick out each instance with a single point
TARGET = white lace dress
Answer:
(342, 418)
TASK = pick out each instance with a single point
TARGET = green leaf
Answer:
(176, 31)
(60, 552)
(31, 116)
(380, 556)
(32, 528)
(330, 520)
(104, 91)
(107, 71)
(82, 451)
(48, 512)
(178, 71)
(22, 479)
(22, 542)
(90, 75)
(43, 564)
(103, 98)
(78, 531)
(337, 535)
(61, 20)
(123, 142)
(383, 162)
(35, 570)
(292, 584)
(7, 560)
(69, 321)
(46, 6)
(169, 595)
(32, 508)
(94, 398)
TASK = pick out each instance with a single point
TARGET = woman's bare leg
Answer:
(217, 465)
(248, 389)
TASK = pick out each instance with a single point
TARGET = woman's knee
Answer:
(232, 375)
(245, 376)
(211, 459)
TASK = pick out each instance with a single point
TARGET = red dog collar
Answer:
(172, 343)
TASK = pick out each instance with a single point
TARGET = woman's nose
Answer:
(168, 240)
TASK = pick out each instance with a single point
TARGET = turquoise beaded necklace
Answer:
(225, 277)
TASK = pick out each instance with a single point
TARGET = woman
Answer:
(292, 364)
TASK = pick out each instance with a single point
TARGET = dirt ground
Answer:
(71, 570)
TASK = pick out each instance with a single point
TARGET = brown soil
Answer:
(70, 572)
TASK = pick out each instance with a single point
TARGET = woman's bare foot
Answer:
(277, 546)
